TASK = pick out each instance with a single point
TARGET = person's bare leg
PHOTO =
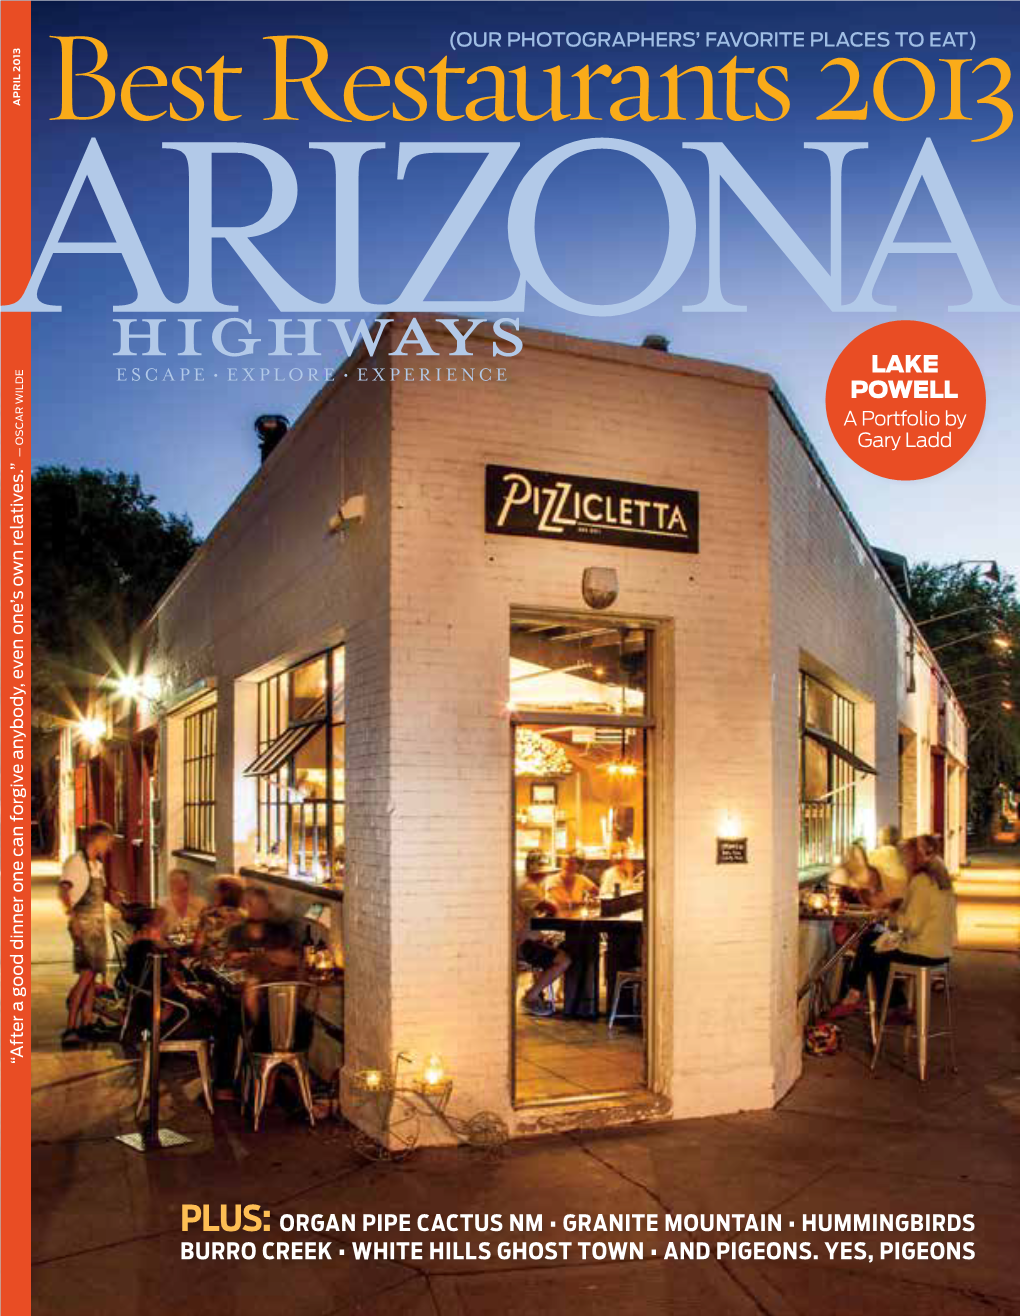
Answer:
(75, 999)
(88, 1003)
(545, 979)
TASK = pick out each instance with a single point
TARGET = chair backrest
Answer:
(120, 944)
(140, 995)
(279, 1004)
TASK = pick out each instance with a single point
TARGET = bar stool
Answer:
(919, 979)
(634, 981)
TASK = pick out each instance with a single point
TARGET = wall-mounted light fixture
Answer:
(911, 672)
(91, 730)
(600, 587)
(350, 510)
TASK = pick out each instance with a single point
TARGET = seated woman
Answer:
(148, 924)
(208, 1015)
(926, 922)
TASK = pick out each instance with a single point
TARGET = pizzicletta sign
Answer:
(544, 505)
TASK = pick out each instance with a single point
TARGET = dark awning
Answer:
(840, 751)
(278, 751)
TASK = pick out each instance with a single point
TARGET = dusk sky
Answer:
(601, 228)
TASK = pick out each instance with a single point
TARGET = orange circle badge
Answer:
(905, 400)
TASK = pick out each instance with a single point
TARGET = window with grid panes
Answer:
(300, 768)
(200, 781)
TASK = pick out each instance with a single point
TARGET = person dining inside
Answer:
(570, 889)
(623, 877)
(545, 957)
(182, 908)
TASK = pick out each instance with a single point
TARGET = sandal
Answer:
(845, 1009)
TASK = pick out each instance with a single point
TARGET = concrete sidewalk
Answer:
(106, 1232)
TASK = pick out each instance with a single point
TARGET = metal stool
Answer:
(919, 979)
(634, 980)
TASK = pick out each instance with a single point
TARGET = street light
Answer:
(91, 729)
(135, 688)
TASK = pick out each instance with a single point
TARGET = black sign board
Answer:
(731, 851)
(544, 505)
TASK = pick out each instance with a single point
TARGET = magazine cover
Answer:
(511, 658)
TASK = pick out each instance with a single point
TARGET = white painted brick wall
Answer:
(423, 599)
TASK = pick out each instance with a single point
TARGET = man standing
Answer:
(82, 892)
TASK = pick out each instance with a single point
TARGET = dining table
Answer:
(861, 919)
(584, 933)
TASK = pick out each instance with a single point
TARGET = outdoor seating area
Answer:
(224, 988)
(890, 926)
(844, 1134)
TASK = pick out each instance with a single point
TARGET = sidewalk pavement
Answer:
(106, 1220)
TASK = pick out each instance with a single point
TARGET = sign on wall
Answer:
(544, 505)
(731, 850)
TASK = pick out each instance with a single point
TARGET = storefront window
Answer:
(572, 667)
(827, 774)
(300, 769)
(581, 863)
(200, 781)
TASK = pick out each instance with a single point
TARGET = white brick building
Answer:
(422, 599)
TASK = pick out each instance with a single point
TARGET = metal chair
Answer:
(919, 979)
(170, 1045)
(277, 1006)
(634, 981)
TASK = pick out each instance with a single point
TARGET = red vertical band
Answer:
(15, 718)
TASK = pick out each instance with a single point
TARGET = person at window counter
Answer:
(182, 909)
(925, 926)
(887, 861)
(571, 888)
(545, 957)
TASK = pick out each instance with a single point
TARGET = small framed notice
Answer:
(731, 850)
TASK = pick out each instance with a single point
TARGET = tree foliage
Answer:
(985, 675)
(103, 553)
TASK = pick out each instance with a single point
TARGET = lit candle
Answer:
(372, 1078)
(434, 1072)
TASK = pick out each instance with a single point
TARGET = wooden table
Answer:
(583, 943)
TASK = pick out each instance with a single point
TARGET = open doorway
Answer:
(581, 870)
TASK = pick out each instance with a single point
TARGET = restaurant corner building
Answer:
(753, 685)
